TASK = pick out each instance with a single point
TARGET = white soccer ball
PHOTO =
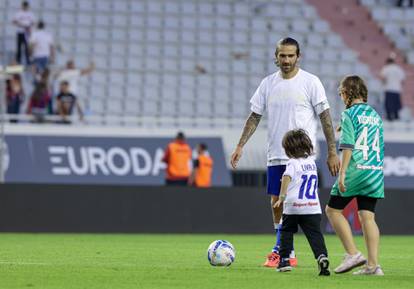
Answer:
(221, 253)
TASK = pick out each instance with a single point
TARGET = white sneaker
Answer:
(350, 262)
(370, 271)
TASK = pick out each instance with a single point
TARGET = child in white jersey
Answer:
(299, 195)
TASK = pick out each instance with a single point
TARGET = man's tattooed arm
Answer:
(249, 128)
(328, 131)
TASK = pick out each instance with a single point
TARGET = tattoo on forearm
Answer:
(328, 131)
(249, 128)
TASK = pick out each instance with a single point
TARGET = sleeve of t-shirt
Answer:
(318, 97)
(290, 169)
(347, 139)
(258, 100)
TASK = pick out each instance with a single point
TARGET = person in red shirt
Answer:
(177, 156)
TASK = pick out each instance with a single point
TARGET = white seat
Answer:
(96, 106)
(203, 109)
(205, 8)
(84, 33)
(205, 23)
(117, 78)
(133, 92)
(120, 6)
(154, 7)
(170, 65)
(131, 106)
(119, 35)
(114, 107)
(119, 20)
(103, 6)
(171, 36)
(240, 37)
(168, 107)
(116, 91)
(188, 8)
(223, 8)
(153, 64)
(101, 34)
(154, 35)
(86, 5)
(171, 7)
(149, 108)
(117, 62)
(188, 22)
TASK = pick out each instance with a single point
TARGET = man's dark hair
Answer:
(297, 144)
(25, 4)
(40, 24)
(288, 41)
(203, 146)
(180, 135)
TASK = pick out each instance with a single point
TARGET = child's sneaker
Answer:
(323, 265)
(284, 266)
(272, 260)
(350, 262)
(370, 271)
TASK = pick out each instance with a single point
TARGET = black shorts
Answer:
(364, 203)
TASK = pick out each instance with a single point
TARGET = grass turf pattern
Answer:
(180, 261)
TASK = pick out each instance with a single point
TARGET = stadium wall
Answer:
(132, 209)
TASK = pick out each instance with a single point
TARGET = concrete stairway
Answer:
(354, 24)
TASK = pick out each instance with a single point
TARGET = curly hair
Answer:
(353, 87)
(297, 144)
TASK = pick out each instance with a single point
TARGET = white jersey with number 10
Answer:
(302, 195)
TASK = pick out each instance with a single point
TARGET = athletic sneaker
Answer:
(293, 262)
(323, 265)
(284, 266)
(350, 262)
(272, 260)
(370, 271)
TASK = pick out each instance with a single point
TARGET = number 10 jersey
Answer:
(302, 193)
(362, 132)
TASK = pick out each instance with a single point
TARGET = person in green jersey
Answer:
(360, 176)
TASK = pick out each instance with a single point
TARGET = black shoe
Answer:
(284, 266)
(323, 265)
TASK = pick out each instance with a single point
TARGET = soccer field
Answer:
(179, 261)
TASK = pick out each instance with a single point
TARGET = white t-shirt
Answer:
(290, 104)
(394, 76)
(72, 76)
(302, 193)
(24, 18)
(42, 41)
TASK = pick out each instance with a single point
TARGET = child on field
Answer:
(299, 195)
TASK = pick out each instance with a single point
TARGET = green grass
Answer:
(61, 261)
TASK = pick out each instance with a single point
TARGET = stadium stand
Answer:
(186, 59)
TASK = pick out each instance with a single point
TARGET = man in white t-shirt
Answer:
(71, 74)
(293, 98)
(24, 19)
(42, 48)
(393, 76)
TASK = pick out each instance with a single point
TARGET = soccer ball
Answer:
(221, 253)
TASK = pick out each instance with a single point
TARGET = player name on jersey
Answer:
(363, 119)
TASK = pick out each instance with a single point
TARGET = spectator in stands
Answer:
(24, 20)
(40, 102)
(14, 94)
(177, 156)
(400, 3)
(393, 76)
(66, 101)
(202, 168)
(42, 48)
(71, 74)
